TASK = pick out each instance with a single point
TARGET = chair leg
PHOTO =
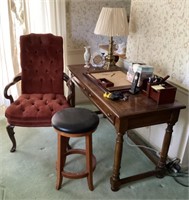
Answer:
(10, 131)
(89, 162)
(61, 158)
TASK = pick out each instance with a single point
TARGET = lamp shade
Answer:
(112, 22)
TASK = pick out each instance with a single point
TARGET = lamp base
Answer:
(110, 58)
(109, 66)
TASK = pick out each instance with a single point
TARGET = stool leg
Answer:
(61, 158)
(89, 161)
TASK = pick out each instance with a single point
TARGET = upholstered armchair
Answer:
(42, 84)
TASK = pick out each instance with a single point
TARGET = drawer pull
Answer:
(109, 115)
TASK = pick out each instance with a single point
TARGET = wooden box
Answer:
(161, 96)
(105, 83)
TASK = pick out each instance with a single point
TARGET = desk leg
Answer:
(115, 180)
(164, 151)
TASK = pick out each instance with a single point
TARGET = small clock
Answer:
(97, 60)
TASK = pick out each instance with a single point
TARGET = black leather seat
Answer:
(75, 120)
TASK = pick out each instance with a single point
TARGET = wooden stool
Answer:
(71, 123)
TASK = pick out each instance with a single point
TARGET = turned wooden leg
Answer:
(61, 158)
(89, 162)
(114, 180)
(161, 166)
(10, 131)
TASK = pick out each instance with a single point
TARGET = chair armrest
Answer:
(16, 79)
(71, 89)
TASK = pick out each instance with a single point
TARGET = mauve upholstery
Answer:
(33, 110)
(42, 63)
(42, 81)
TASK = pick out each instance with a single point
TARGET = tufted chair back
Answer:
(42, 84)
(42, 63)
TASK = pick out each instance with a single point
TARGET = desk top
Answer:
(138, 105)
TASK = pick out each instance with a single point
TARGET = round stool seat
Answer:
(75, 120)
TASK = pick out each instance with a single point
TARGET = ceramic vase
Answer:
(87, 56)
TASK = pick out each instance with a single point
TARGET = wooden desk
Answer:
(138, 111)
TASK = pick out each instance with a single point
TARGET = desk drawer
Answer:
(109, 115)
(98, 103)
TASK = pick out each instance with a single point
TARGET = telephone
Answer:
(134, 89)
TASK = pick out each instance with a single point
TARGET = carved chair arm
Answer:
(71, 89)
(16, 79)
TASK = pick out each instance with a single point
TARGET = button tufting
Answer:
(32, 107)
(17, 103)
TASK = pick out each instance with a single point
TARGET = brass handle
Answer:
(109, 115)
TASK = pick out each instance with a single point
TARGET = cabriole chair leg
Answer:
(10, 131)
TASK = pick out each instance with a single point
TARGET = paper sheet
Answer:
(157, 87)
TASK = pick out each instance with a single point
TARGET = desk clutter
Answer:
(118, 84)
(151, 85)
(160, 91)
(144, 70)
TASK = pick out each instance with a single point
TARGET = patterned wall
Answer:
(82, 16)
(159, 36)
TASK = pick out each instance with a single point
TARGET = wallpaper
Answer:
(82, 15)
(159, 36)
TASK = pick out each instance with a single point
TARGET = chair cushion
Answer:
(75, 120)
(35, 110)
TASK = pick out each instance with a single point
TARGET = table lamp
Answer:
(112, 22)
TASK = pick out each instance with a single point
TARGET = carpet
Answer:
(30, 172)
